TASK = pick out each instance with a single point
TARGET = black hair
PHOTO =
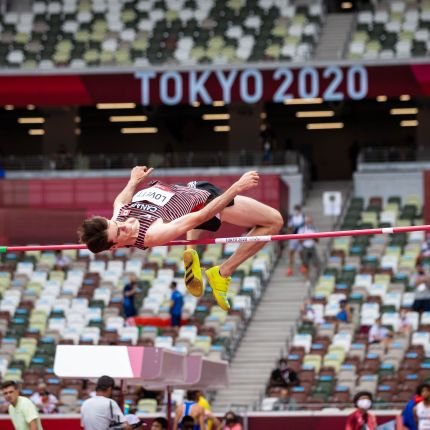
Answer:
(421, 387)
(93, 232)
(193, 395)
(187, 421)
(162, 421)
(104, 383)
(7, 384)
(235, 417)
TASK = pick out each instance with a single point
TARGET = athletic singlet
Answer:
(159, 200)
(423, 414)
(188, 404)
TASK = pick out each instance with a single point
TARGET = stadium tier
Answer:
(41, 307)
(87, 33)
(376, 275)
(391, 29)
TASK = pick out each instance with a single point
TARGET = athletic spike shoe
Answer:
(193, 273)
(219, 287)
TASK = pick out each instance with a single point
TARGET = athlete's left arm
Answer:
(137, 175)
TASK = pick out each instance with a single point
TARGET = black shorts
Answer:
(421, 305)
(214, 223)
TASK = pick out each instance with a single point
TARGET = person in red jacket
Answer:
(361, 419)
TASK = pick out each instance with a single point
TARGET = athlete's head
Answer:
(193, 395)
(101, 234)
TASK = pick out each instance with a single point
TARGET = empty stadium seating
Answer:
(375, 274)
(392, 29)
(148, 32)
(40, 307)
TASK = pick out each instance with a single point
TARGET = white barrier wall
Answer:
(402, 183)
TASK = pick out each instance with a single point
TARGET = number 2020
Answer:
(308, 83)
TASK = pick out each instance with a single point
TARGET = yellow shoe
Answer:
(219, 287)
(193, 273)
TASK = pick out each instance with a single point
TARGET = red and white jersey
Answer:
(159, 200)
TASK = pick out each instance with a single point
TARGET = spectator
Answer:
(203, 402)
(22, 411)
(191, 408)
(408, 417)
(380, 334)
(62, 262)
(45, 402)
(159, 423)
(295, 222)
(405, 326)
(283, 376)
(421, 282)
(345, 313)
(212, 422)
(129, 292)
(361, 418)
(285, 402)
(176, 304)
(268, 143)
(100, 411)
(231, 421)
(310, 314)
(422, 409)
(309, 249)
(425, 248)
(188, 423)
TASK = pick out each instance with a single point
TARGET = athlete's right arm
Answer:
(137, 175)
(160, 232)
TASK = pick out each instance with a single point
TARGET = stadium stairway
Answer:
(274, 321)
(335, 36)
(264, 340)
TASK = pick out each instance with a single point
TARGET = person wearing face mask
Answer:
(231, 422)
(361, 418)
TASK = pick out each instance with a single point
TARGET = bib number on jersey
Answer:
(154, 195)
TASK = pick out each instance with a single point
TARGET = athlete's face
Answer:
(119, 232)
(425, 393)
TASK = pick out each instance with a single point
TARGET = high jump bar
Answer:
(240, 239)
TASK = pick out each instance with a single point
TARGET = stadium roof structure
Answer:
(148, 366)
(154, 368)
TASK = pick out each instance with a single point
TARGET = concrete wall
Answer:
(385, 184)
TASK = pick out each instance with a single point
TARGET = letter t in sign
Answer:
(145, 93)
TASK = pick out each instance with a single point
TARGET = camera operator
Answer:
(101, 412)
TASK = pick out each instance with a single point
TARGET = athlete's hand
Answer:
(247, 181)
(139, 173)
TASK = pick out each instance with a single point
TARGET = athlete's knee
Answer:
(276, 222)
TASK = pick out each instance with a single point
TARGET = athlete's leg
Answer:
(250, 213)
(247, 212)
(193, 272)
